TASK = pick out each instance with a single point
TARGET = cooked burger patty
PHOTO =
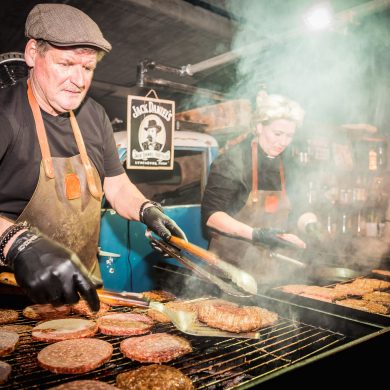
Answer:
(5, 371)
(158, 295)
(378, 296)
(81, 307)
(8, 342)
(125, 324)
(7, 316)
(85, 384)
(155, 348)
(360, 304)
(155, 376)
(375, 284)
(75, 356)
(46, 311)
(233, 318)
(64, 329)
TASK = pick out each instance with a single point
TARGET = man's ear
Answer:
(259, 128)
(30, 52)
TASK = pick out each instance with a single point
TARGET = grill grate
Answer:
(215, 363)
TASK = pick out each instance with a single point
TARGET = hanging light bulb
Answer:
(319, 16)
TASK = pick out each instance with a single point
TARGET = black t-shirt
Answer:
(20, 154)
(230, 179)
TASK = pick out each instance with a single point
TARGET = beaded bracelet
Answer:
(7, 235)
(142, 208)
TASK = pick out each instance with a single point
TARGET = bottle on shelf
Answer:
(372, 158)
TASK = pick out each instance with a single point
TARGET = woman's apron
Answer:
(66, 203)
(265, 209)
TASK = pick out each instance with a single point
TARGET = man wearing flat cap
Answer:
(152, 129)
(57, 156)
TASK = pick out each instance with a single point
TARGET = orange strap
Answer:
(41, 133)
(84, 157)
(255, 183)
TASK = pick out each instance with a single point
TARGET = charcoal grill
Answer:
(302, 341)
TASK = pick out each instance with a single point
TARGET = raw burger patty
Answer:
(7, 316)
(75, 356)
(5, 370)
(81, 307)
(154, 376)
(64, 329)
(155, 348)
(158, 316)
(233, 318)
(17, 328)
(46, 311)
(84, 384)
(8, 341)
(125, 324)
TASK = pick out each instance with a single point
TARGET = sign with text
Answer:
(150, 128)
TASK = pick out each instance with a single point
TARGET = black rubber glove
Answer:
(161, 224)
(50, 273)
(269, 237)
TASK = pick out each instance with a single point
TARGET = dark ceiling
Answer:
(339, 76)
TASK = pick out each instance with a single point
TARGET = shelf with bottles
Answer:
(340, 152)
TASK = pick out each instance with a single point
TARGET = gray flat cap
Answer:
(63, 25)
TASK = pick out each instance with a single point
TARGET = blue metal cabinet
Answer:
(134, 269)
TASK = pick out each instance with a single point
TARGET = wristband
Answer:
(6, 237)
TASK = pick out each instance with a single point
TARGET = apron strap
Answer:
(282, 179)
(41, 133)
(255, 186)
(84, 157)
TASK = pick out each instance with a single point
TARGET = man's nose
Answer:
(77, 76)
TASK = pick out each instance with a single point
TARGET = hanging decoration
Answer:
(150, 129)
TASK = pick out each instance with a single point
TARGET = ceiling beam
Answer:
(193, 16)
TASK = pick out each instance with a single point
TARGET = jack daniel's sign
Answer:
(150, 127)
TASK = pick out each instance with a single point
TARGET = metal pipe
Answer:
(342, 18)
(182, 87)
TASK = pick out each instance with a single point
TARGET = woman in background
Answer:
(245, 205)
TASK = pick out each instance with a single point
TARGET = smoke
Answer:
(337, 76)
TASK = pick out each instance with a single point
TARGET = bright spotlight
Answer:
(319, 16)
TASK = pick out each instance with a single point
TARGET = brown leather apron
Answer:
(66, 203)
(262, 209)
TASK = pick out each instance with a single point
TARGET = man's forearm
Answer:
(125, 198)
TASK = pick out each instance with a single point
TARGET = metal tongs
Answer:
(175, 248)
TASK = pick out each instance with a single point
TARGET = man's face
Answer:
(276, 136)
(152, 134)
(62, 77)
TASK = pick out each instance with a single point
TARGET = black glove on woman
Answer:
(48, 272)
(269, 237)
(155, 219)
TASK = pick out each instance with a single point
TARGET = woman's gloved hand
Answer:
(49, 272)
(155, 219)
(276, 238)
